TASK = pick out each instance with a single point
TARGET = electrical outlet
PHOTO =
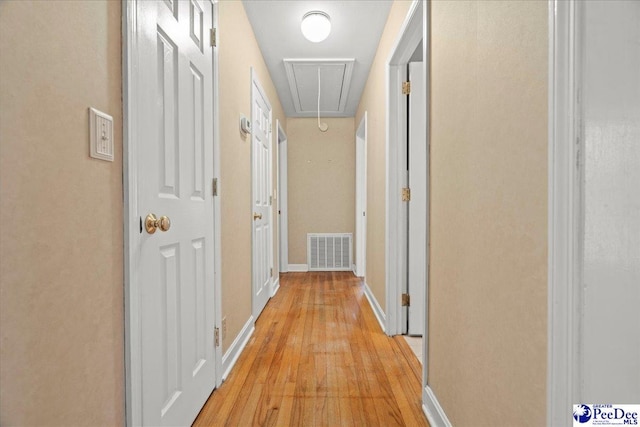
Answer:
(224, 327)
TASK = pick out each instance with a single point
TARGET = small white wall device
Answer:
(245, 125)
(100, 135)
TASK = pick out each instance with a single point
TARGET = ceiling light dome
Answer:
(315, 26)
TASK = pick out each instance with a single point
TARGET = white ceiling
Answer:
(356, 27)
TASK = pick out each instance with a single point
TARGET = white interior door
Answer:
(361, 197)
(611, 177)
(261, 195)
(174, 152)
(417, 269)
(283, 200)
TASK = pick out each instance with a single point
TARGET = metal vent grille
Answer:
(329, 251)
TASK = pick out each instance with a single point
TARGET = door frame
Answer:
(255, 83)
(132, 319)
(565, 210)
(412, 32)
(361, 200)
(414, 29)
(283, 199)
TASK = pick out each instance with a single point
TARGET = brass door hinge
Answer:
(216, 335)
(406, 194)
(214, 42)
(406, 88)
(406, 300)
(215, 186)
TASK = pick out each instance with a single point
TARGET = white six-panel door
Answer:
(610, 280)
(261, 195)
(174, 173)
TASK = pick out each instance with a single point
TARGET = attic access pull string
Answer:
(323, 127)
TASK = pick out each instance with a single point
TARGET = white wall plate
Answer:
(100, 135)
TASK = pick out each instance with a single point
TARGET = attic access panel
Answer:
(335, 79)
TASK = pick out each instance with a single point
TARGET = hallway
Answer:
(319, 358)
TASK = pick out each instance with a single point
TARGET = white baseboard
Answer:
(231, 356)
(432, 409)
(303, 268)
(377, 310)
(353, 268)
(275, 285)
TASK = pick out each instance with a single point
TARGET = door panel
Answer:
(170, 337)
(168, 120)
(418, 204)
(175, 152)
(610, 278)
(197, 321)
(261, 176)
(197, 130)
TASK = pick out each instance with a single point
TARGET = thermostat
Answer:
(245, 124)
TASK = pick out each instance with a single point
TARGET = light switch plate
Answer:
(100, 135)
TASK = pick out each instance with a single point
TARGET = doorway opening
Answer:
(361, 198)
(404, 188)
(283, 209)
(397, 182)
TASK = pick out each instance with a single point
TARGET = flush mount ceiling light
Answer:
(315, 26)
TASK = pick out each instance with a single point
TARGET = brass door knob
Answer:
(151, 223)
(257, 216)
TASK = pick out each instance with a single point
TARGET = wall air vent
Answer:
(329, 251)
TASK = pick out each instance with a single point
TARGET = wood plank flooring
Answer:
(319, 358)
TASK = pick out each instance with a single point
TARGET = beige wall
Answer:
(238, 52)
(488, 299)
(61, 272)
(321, 180)
(374, 101)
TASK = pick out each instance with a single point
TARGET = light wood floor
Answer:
(319, 358)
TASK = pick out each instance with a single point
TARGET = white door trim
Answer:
(132, 333)
(361, 199)
(414, 29)
(283, 196)
(217, 217)
(132, 345)
(410, 36)
(427, 393)
(564, 211)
